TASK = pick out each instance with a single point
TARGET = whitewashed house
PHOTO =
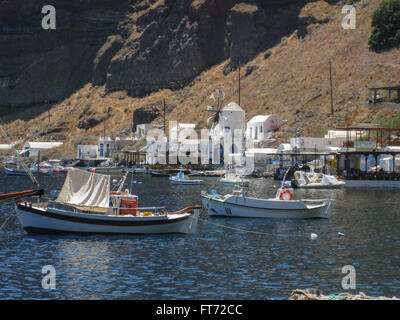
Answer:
(262, 156)
(107, 146)
(142, 129)
(231, 122)
(85, 151)
(232, 117)
(284, 148)
(340, 134)
(31, 149)
(311, 144)
(177, 130)
(260, 127)
(5, 148)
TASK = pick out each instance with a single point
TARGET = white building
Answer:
(179, 129)
(87, 151)
(4, 148)
(259, 127)
(262, 156)
(231, 117)
(284, 148)
(142, 129)
(107, 146)
(309, 144)
(231, 122)
(31, 149)
(340, 134)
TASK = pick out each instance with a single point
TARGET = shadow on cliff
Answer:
(267, 27)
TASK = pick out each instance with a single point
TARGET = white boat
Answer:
(22, 172)
(59, 169)
(282, 206)
(231, 179)
(85, 205)
(181, 179)
(312, 180)
(136, 170)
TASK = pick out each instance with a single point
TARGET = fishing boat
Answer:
(282, 206)
(22, 172)
(16, 195)
(181, 179)
(231, 179)
(159, 173)
(85, 205)
(313, 180)
(59, 169)
(136, 170)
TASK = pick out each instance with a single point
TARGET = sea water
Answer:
(216, 262)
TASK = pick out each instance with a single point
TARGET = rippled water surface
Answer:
(214, 263)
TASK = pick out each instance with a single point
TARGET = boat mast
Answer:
(24, 166)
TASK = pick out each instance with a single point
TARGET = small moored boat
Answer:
(282, 206)
(181, 179)
(313, 180)
(231, 179)
(85, 205)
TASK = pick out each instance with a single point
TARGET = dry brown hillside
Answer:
(293, 81)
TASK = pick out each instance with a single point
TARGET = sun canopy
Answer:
(85, 189)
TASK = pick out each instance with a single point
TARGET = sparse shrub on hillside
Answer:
(267, 54)
(227, 69)
(284, 41)
(250, 68)
(386, 26)
(85, 140)
(86, 107)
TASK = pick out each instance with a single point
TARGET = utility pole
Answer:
(104, 123)
(165, 108)
(239, 85)
(330, 78)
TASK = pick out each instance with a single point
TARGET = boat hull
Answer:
(21, 172)
(320, 186)
(186, 182)
(55, 221)
(275, 209)
(233, 183)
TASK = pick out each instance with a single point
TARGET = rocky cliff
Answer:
(37, 65)
(99, 74)
(137, 46)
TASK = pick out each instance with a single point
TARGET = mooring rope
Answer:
(237, 229)
(9, 218)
